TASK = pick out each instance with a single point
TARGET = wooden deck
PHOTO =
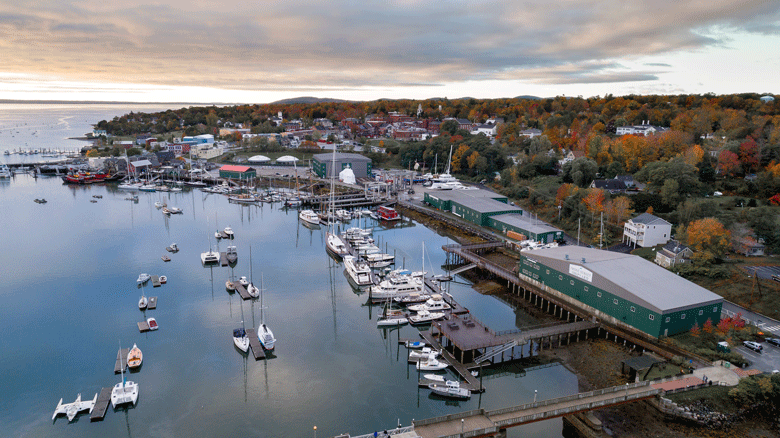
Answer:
(242, 291)
(223, 261)
(143, 326)
(254, 344)
(156, 281)
(152, 304)
(99, 411)
(121, 361)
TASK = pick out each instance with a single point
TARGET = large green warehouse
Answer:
(475, 205)
(532, 229)
(621, 288)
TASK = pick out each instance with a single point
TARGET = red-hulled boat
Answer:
(85, 177)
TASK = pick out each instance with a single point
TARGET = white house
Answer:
(673, 253)
(531, 133)
(646, 230)
(484, 128)
(644, 129)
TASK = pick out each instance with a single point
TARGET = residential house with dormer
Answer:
(673, 253)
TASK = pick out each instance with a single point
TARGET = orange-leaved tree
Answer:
(594, 201)
(708, 238)
(564, 191)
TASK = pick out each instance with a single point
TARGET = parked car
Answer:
(773, 341)
(755, 346)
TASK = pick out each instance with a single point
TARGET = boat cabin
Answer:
(388, 214)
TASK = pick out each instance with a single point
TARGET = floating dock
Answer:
(152, 303)
(254, 343)
(99, 411)
(121, 361)
(156, 281)
(143, 326)
(242, 290)
(457, 308)
(223, 261)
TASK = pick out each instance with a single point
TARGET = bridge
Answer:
(480, 422)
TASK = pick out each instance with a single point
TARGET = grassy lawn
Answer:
(647, 253)
(662, 370)
(715, 397)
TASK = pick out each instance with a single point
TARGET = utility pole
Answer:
(601, 233)
(559, 212)
(578, 230)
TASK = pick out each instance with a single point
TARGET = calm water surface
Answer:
(70, 299)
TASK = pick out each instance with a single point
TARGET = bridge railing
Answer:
(473, 433)
(471, 413)
(566, 398)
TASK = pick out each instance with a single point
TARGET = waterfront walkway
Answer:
(480, 422)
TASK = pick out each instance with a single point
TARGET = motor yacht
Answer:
(398, 283)
(435, 303)
(359, 272)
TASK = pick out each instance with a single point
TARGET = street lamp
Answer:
(315, 431)
(535, 396)
(461, 425)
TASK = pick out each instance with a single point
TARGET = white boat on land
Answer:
(435, 303)
(240, 339)
(431, 364)
(359, 272)
(135, 357)
(264, 334)
(72, 409)
(398, 283)
(425, 317)
(450, 388)
(143, 278)
(309, 217)
(124, 391)
(229, 232)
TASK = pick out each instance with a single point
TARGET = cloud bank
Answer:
(345, 44)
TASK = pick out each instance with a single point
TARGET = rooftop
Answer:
(526, 223)
(340, 156)
(647, 218)
(630, 277)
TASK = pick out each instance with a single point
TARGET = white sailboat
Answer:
(143, 302)
(333, 243)
(72, 409)
(124, 391)
(240, 339)
(264, 334)
(251, 289)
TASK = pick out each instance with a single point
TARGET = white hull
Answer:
(266, 337)
(431, 365)
(309, 217)
(335, 245)
(72, 409)
(209, 257)
(392, 321)
(359, 272)
(124, 393)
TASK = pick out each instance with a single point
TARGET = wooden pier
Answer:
(121, 361)
(99, 411)
(254, 343)
(156, 281)
(152, 303)
(223, 261)
(242, 291)
(472, 383)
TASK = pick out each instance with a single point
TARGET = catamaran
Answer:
(124, 391)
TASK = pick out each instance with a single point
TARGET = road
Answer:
(768, 325)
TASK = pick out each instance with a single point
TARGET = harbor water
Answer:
(70, 300)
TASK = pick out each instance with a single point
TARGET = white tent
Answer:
(347, 176)
(259, 159)
(286, 159)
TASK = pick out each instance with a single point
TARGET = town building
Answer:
(747, 246)
(621, 289)
(646, 230)
(237, 172)
(644, 129)
(322, 164)
(673, 253)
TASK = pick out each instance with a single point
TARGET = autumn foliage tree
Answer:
(708, 238)
(728, 162)
(594, 201)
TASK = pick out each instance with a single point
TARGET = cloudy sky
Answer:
(252, 51)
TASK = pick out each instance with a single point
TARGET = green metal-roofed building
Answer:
(475, 206)
(237, 172)
(532, 229)
(360, 165)
(622, 289)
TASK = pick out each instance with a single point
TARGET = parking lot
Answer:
(767, 361)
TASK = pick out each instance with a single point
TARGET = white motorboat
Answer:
(451, 389)
(218, 234)
(309, 217)
(152, 323)
(415, 344)
(398, 283)
(143, 278)
(423, 354)
(229, 232)
(435, 303)
(379, 260)
(231, 254)
(129, 186)
(175, 210)
(244, 282)
(209, 257)
(425, 317)
(72, 409)
(172, 248)
(253, 291)
(431, 364)
(163, 279)
(412, 299)
(359, 272)
(434, 378)
(158, 204)
(335, 245)
(343, 215)
(124, 391)
(4, 171)
(240, 339)
(147, 188)
(135, 357)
